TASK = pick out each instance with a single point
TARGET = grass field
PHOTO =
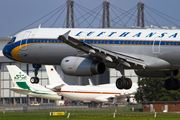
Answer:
(46, 116)
(88, 114)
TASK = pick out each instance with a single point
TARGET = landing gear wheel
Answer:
(34, 80)
(169, 84)
(128, 83)
(176, 84)
(120, 83)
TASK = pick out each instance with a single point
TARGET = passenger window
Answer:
(137, 42)
(95, 41)
(144, 42)
(171, 43)
(111, 41)
(106, 42)
(102, 41)
(140, 42)
(122, 42)
(167, 43)
(92, 41)
(116, 41)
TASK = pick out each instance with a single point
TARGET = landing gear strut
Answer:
(35, 80)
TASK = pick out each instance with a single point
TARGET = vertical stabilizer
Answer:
(19, 78)
(54, 77)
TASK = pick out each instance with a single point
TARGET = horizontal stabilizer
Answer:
(55, 88)
(18, 90)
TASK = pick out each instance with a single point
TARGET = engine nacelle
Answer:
(155, 73)
(79, 66)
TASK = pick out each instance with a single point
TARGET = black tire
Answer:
(176, 84)
(169, 84)
(36, 80)
(32, 80)
(128, 83)
(120, 83)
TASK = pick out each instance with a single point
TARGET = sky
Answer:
(17, 14)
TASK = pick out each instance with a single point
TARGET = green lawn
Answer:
(26, 116)
(124, 113)
(89, 113)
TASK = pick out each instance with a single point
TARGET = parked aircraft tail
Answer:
(55, 81)
(20, 79)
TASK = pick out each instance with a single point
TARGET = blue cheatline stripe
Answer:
(11, 46)
(108, 42)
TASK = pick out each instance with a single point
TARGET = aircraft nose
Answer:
(7, 52)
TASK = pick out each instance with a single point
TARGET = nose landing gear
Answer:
(35, 80)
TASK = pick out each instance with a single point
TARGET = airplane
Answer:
(97, 94)
(22, 85)
(150, 52)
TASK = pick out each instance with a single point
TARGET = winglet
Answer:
(90, 82)
(65, 35)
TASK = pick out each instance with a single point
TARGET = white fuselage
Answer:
(37, 45)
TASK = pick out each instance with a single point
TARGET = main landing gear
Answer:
(35, 80)
(172, 84)
(123, 82)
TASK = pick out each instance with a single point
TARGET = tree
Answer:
(152, 89)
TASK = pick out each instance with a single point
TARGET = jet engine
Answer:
(155, 73)
(79, 66)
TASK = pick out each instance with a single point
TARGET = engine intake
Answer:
(79, 66)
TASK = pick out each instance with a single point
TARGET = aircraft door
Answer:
(23, 43)
(156, 45)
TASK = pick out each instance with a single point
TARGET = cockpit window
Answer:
(12, 40)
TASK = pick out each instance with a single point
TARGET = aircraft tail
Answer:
(54, 77)
(20, 79)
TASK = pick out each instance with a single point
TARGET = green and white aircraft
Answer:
(23, 85)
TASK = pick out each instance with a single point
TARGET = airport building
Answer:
(7, 97)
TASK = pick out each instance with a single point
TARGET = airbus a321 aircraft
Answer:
(86, 52)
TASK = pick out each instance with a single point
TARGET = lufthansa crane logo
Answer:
(20, 77)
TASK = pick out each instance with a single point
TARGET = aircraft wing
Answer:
(107, 55)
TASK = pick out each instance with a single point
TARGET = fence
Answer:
(81, 108)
